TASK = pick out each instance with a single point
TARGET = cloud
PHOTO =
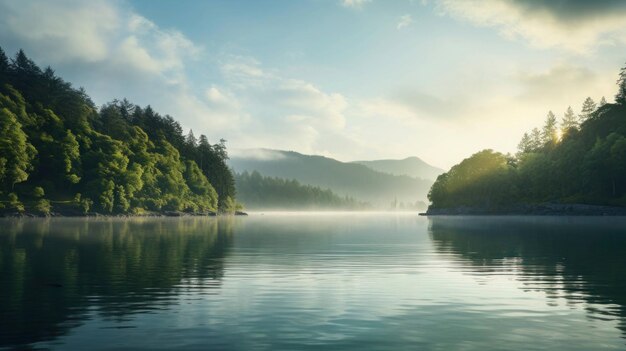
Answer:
(288, 113)
(562, 85)
(117, 53)
(577, 26)
(357, 4)
(45, 25)
(404, 21)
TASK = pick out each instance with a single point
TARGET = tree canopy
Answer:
(583, 162)
(58, 150)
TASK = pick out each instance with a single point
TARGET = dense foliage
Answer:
(257, 191)
(59, 151)
(583, 161)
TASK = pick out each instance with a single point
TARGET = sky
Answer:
(348, 79)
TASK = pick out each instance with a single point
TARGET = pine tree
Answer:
(4, 66)
(569, 120)
(589, 106)
(602, 102)
(620, 98)
(24, 65)
(535, 138)
(525, 145)
(549, 134)
(191, 140)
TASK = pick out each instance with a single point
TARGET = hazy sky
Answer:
(350, 79)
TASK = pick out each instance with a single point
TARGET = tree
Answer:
(191, 140)
(602, 102)
(525, 145)
(589, 106)
(535, 139)
(15, 150)
(4, 66)
(117, 159)
(620, 97)
(569, 120)
(549, 133)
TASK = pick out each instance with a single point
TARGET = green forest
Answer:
(581, 160)
(61, 153)
(257, 191)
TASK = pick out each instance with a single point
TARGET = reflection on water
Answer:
(55, 273)
(579, 260)
(345, 281)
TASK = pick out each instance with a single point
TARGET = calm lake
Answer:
(314, 281)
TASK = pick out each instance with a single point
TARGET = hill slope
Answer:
(586, 166)
(351, 179)
(410, 166)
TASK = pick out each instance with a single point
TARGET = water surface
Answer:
(314, 281)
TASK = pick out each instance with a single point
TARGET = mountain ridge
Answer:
(412, 166)
(344, 178)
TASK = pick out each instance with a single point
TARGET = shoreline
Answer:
(546, 209)
(28, 214)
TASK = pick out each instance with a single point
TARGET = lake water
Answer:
(314, 281)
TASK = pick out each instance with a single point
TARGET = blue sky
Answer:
(350, 79)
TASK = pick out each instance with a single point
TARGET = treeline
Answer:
(59, 152)
(260, 192)
(582, 160)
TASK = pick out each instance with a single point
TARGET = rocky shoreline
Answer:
(547, 209)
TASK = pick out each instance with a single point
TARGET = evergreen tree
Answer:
(549, 133)
(569, 120)
(536, 141)
(118, 159)
(525, 145)
(4, 66)
(589, 106)
(602, 102)
(620, 97)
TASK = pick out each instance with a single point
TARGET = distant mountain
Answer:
(351, 179)
(410, 166)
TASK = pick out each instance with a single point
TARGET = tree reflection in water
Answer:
(571, 259)
(56, 273)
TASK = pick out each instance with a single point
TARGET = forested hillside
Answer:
(259, 192)
(410, 166)
(582, 161)
(344, 179)
(59, 152)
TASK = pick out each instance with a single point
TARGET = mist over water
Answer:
(342, 280)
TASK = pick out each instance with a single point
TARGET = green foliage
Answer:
(38, 192)
(549, 133)
(569, 120)
(14, 203)
(589, 106)
(257, 191)
(484, 180)
(620, 97)
(17, 153)
(118, 159)
(586, 165)
(43, 207)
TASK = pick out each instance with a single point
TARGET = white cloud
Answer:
(45, 25)
(354, 3)
(288, 113)
(117, 53)
(404, 21)
(575, 26)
